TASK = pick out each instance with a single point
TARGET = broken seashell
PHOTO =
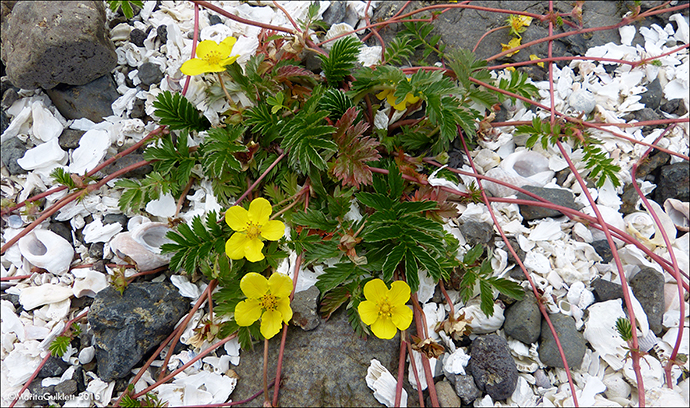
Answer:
(46, 249)
(143, 245)
(35, 296)
(45, 126)
(651, 369)
(90, 283)
(382, 382)
(86, 355)
(647, 342)
(92, 148)
(520, 169)
(601, 333)
(679, 212)
(44, 155)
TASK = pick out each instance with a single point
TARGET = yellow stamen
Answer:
(253, 230)
(269, 302)
(213, 58)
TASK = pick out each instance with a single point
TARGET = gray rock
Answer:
(477, 233)
(65, 388)
(54, 367)
(96, 250)
(9, 97)
(648, 287)
(62, 229)
(150, 74)
(304, 309)
(466, 389)
(214, 19)
(4, 121)
(629, 199)
(653, 162)
(137, 37)
(13, 149)
(492, 366)
(128, 326)
(446, 395)
(523, 320)
(113, 218)
(603, 249)
(126, 161)
(652, 97)
(564, 198)
(46, 43)
(572, 342)
(92, 101)
(162, 33)
(69, 138)
(14, 299)
(604, 290)
(335, 13)
(673, 182)
(323, 367)
(645, 114)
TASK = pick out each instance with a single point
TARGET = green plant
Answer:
(126, 6)
(58, 347)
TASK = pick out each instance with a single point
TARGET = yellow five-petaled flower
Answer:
(267, 299)
(211, 57)
(252, 226)
(388, 94)
(385, 310)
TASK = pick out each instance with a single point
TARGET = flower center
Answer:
(269, 302)
(385, 309)
(213, 58)
(253, 230)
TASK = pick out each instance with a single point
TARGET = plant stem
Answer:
(401, 369)
(267, 401)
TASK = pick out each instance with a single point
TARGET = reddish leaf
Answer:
(354, 150)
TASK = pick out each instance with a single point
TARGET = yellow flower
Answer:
(388, 94)
(385, 309)
(267, 299)
(534, 57)
(511, 69)
(514, 42)
(518, 24)
(211, 57)
(251, 227)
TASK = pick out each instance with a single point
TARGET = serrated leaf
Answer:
(473, 255)
(315, 220)
(487, 298)
(392, 261)
(354, 151)
(175, 111)
(334, 276)
(381, 233)
(508, 287)
(218, 149)
(374, 200)
(337, 65)
(333, 300)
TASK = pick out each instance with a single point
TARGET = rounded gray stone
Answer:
(92, 101)
(648, 287)
(45, 43)
(13, 149)
(466, 389)
(572, 342)
(446, 395)
(492, 366)
(523, 320)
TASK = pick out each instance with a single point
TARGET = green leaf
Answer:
(337, 65)
(175, 111)
(399, 49)
(335, 102)
(59, 346)
(354, 151)
(174, 162)
(126, 6)
(219, 148)
(196, 244)
(395, 182)
(411, 270)
(374, 200)
(507, 287)
(139, 193)
(381, 233)
(487, 298)
(392, 261)
(315, 220)
(429, 263)
(473, 255)
(335, 275)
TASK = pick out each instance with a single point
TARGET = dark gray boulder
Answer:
(553, 195)
(648, 287)
(572, 342)
(130, 325)
(45, 43)
(492, 366)
(523, 320)
(92, 101)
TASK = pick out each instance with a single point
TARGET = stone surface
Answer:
(113, 218)
(92, 100)
(604, 290)
(125, 161)
(62, 229)
(673, 182)
(652, 97)
(523, 320)
(137, 37)
(446, 395)
(564, 198)
(69, 138)
(572, 342)
(46, 43)
(466, 389)
(130, 325)
(648, 287)
(603, 249)
(149, 74)
(492, 366)
(335, 13)
(304, 309)
(653, 162)
(477, 233)
(323, 367)
(13, 149)
(54, 367)
(214, 19)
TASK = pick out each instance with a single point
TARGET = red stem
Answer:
(401, 369)
(420, 323)
(410, 354)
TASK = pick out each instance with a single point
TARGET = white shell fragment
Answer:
(89, 282)
(92, 148)
(523, 168)
(47, 155)
(45, 126)
(382, 382)
(679, 213)
(143, 245)
(48, 250)
(86, 355)
(600, 332)
(35, 296)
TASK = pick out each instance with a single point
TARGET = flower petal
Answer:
(409, 98)
(259, 211)
(252, 250)
(383, 94)
(271, 323)
(225, 46)
(284, 308)
(254, 285)
(280, 285)
(402, 317)
(368, 312)
(228, 61)
(204, 48)
(234, 247)
(237, 218)
(384, 328)
(195, 66)
(375, 289)
(273, 230)
(247, 312)
(399, 293)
